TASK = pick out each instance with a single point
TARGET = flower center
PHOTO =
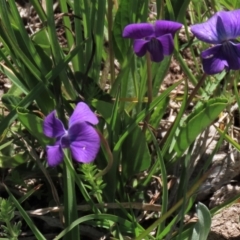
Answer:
(230, 50)
(227, 46)
(153, 45)
(65, 142)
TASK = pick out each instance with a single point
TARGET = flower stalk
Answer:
(195, 90)
(149, 89)
(111, 54)
(70, 205)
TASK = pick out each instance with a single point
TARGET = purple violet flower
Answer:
(221, 29)
(82, 139)
(156, 38)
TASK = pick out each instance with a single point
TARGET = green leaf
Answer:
(37, 90)
(111, 187)
(184, 235)
(13, 161)
(99, 17)
(159, 71)
(106, 220)
(10, 101)
(104, 108)
(230, 4)
(197, 121)
(122, 19)
(14, 79)
(128, 12)
(40, 39)
(203, 225)
(34, 125)
(187, 228)
(140, 9)
(124, 79)
(23, 38)
(164, 183)
(25, 216)
(47, 62)
(180, 8)
(157, 115)
(135, 154)
(229, 139)
(70, 206)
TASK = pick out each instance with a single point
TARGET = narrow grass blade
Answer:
(70, 206)
(37, 90)
(25, 216)
(105, 217)
(164, 181)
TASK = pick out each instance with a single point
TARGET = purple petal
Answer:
(228, 24)
(138, 30)
(156, 50)
(54, 155)
(84, 142)
(167, 44)
(207, 31)
(220, 27)
(83, 113)
(140, 47)
(52, 126)
(213, 60)
(216, 50)
(231, 52)
(163, 27)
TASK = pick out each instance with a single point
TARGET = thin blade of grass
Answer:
(25, 216)
(163, 180)
(37, 90)
(70, 206)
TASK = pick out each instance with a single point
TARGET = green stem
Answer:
(195, 90)
(110, 41)
(110, 157)
(70, 206)
(186, 70)
(164, 183)
(10, 230)
(81, 186)
(149, 89)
